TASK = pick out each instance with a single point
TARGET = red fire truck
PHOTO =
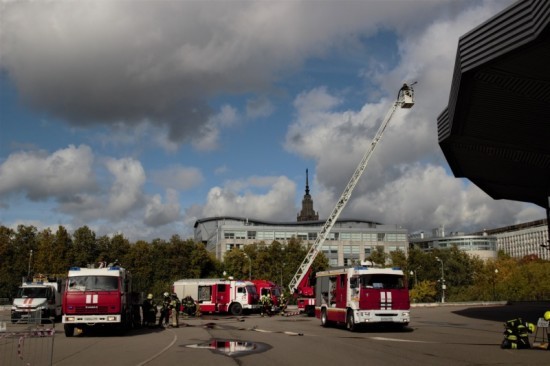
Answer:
(300, 285)
(97, 297)
(362, 295)
(271, 289)
(219, 295)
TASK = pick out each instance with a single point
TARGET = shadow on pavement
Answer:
(529, 311)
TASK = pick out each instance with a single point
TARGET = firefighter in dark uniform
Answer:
(149, 311)
(164, 319)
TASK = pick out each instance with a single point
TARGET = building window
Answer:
(251, 235)
(381, 236)
(229, 235)
(311, 236)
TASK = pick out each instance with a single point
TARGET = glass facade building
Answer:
(349, 242)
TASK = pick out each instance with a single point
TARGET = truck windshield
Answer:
(251, 290)
(34, 292)
(93, 283)
(382, 281)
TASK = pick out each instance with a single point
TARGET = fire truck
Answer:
(300, 285)
(219, 295)
(271, 289)
(38, 298)
(97, 297)
(362, 295)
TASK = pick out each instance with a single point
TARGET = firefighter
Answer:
(265, 302)
(282, 303)
(164, 319)
(175, 305)
(149, 311)
(190, 306)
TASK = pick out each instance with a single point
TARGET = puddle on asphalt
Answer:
(231, 348)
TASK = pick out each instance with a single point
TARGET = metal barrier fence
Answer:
(26, 343)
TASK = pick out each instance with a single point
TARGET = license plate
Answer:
(386, 319)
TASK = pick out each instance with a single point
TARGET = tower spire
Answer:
(307, 213)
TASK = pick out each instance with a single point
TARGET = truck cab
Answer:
(37, 299)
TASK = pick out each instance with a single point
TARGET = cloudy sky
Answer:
(140, 117)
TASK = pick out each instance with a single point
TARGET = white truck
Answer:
(219, 295)
(37, 299)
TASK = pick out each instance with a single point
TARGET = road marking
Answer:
(397, 340)
(161, 351)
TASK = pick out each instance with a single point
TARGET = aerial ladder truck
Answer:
(299, 285)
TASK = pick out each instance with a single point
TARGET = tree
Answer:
(378, 256)
(85, 248)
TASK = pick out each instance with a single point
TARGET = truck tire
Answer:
(350, 322)
(69, 330)
(236, 309)
(324, 320)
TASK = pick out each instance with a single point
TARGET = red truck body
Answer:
(362, 295)
(97, 297)
(219, 295)
(269, 288)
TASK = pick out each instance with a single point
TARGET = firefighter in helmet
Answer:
(282, 303)
(149, 311)
(175, 305)
(190, 306)
(164, 319)
(265, 302)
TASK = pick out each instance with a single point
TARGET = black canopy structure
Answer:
(496, 129)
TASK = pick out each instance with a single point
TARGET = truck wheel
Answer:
(69, 330)
(324, 321)
(350, 322)
(236, 309)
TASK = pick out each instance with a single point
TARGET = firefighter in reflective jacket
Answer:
(149, 311)
(265, 302)
(164, 319)
(282, 304)
(175, 305)
(190, 308)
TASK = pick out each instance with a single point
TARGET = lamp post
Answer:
(413, 273)
(249, 266)
(30, 262)
(442, 280)
(494, 283)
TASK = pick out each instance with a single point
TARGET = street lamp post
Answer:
(413, 273)
(249, 266)
(442, 280)
(494, 283)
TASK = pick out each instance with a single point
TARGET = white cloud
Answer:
(178, 177)
(267, 198)
(158, 213)
(126, 191)
(39, 176)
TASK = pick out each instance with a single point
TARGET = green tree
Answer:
(85, 248)
(378, 256)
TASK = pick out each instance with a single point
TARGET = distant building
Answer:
(518, 241)
(307, 213)
(349, 242)
(481, 245)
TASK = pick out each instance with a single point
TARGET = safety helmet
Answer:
(150, 296)
(531, 327)
(166, 294)
(547, 315)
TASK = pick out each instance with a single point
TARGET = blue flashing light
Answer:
(396, 268)
(74, 269)
(114, 268)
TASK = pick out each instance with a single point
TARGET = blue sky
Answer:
(142, 117)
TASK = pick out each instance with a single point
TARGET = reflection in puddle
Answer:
(232, 348)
